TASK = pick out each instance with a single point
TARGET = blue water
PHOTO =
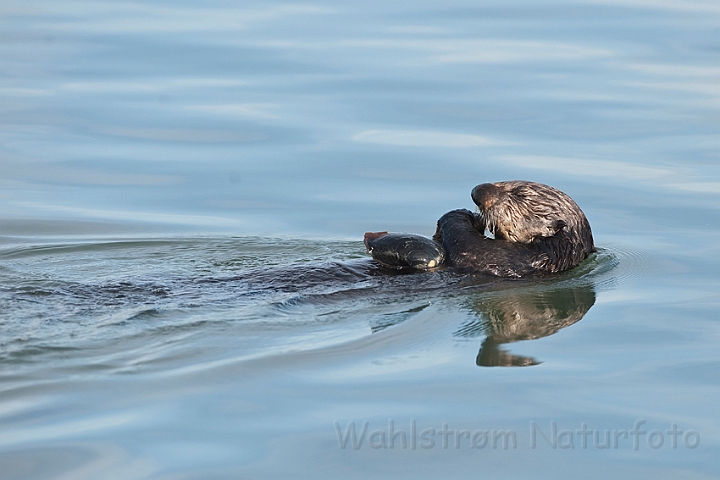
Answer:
(184, 187)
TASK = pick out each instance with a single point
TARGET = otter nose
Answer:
(483, 195)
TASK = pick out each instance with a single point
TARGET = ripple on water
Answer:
(632, 264)
(110, 299)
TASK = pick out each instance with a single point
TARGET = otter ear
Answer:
(558, 225)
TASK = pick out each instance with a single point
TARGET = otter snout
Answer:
(486, 195)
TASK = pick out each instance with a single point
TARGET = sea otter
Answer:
(537, 230)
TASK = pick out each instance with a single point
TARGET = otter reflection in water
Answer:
(510, 315)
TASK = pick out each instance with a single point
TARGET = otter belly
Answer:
(403, 251)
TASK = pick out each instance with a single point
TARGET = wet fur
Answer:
(529, 212)
(468, 250)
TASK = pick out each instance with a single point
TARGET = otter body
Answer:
(537, 229)
(469, 251)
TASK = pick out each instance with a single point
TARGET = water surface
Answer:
(183, 192)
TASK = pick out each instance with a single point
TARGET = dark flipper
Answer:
(403, 251)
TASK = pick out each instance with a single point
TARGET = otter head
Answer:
(519, 211)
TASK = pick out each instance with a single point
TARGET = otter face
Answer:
(519, 211)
